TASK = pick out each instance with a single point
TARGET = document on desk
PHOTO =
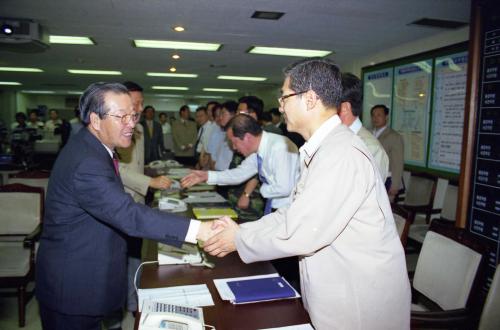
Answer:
(187, 295)
(306, 326)
(204, 197)
(226, 292)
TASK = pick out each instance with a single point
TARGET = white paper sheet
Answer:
(186, 295)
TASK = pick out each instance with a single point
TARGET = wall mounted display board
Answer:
(450, 76)
(484, 207)
(377, 89)
(411, 108)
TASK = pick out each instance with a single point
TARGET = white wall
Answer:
(410, 48)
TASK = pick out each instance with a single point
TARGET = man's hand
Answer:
(193, 178)
(392, 193)
(243, 202)
(209, 229)
(222, 243)
(160, 182)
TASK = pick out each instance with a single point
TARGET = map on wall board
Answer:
(377, 89)
(411, 104)
(450, 76)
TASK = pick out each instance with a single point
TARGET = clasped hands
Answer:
(218, 236)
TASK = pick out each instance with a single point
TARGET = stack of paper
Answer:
(249, 289)
(203, 213)
(204, 197)
(187, 254)
(187, 295)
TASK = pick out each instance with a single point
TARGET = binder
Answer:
(202, 213)
(260, 289)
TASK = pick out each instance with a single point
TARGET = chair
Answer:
(31, 178)
(420, 195)
(448, 214)
(401, 217)
(20, 225)
(446, 280)
(490, 317)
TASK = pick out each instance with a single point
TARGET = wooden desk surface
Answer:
(224, 315)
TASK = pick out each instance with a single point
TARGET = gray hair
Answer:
(92, 100)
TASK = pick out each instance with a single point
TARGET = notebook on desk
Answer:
(260, 289)
(203, 213)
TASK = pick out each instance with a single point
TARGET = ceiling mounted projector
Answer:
(22, 35)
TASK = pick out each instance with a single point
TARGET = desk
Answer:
(224, 315)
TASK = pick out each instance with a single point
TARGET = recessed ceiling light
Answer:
(175, 88)
(173, 75)
(38, 92)
(242, 78)
(10, 83)
(172, 69)
(289, 51)
(177, 45)
(176, 57)
(103, 72)
(17, 69)
(71, 40)
(178, 28)
(223, 90)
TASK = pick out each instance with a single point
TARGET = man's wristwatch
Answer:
(247, 195)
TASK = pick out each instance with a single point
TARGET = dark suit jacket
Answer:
(153, 144)
(81, 262)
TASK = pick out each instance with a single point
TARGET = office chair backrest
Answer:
(445, 271)
(449, 210)
(421, 190)
(31, 178)
(21, 209)
(490, 317)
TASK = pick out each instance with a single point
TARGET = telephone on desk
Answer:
(156, 315)
(171, 204)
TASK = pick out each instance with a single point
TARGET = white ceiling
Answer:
(350, 28)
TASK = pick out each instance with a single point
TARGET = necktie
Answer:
(115, 163)
(200, 133)
(267, 208)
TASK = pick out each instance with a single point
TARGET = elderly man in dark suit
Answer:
(81, 265)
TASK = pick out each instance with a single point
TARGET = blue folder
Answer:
(260, 289)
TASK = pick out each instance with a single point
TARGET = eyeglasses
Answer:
(282, 98)
(125, 119)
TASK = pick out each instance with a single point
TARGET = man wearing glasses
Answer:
(352, 264)
(81, 263)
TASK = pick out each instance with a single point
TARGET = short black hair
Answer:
(132, 86)
(230, 106)
(21, 115)
(254, 104)
(201, 108)
(184, 108)
(266, 116)
(92, 99)
(242, 124)
(35, 111)
(383, 106)
(275, 112)
(352, 92)
(161, 114)
(149, 107)
(318, 74)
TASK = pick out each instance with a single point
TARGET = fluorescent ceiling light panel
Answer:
(70, 40)
(172, 75)
(17, 69)
(222, 90)
(242, 78)
(207, 97)
(174, 88)
(10, 83)
(169, 95)
(103, 72)
(38, 92)
(177, 45)
(288, 51)
(75, 92)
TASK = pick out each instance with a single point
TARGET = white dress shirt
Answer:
(379, 131)
(279, 167)
(203, 136)
(219, 149)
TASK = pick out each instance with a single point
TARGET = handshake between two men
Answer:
(218, 236)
